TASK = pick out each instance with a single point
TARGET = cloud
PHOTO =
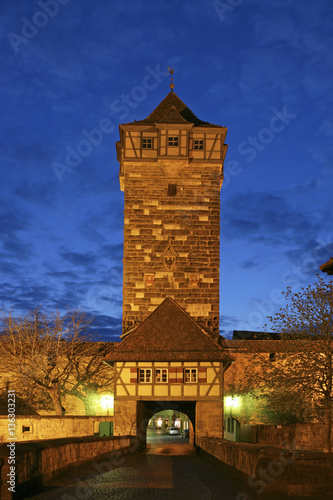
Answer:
(78, 259)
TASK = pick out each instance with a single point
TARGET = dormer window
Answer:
(198, 143)
(173, 140)
(147, 143)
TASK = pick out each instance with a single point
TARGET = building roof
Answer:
(251, 335)
(173, 110)
(169, 334)
(272, 345)
(327, 267)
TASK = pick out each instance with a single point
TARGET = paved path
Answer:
(150, 475)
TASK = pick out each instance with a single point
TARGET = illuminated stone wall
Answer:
(30, 428)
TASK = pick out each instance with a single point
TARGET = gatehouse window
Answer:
(161, 375)
(147, 143)
(173, 140)
(144, 375)
(191, 375)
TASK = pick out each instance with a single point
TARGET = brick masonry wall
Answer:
(189, 223)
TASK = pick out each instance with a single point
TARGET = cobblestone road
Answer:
(143, 476)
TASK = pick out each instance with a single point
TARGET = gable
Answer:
(169, 333)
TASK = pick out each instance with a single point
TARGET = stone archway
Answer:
(147, 409)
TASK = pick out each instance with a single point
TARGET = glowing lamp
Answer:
(107, 402)
(231, 402)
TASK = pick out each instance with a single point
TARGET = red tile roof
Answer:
(270, 345)
(173, 110)
(168, 334)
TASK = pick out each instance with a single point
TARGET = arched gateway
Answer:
(171, 354)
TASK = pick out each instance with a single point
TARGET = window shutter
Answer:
(202, 374)
(134, 375)
(172, 375)
(180, 375)
(176, 375)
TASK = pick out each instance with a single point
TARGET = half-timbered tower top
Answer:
(149, 139)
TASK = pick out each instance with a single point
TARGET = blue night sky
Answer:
(261, 68)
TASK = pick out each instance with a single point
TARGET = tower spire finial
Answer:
(172, 85)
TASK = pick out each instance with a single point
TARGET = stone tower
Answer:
(171, 172)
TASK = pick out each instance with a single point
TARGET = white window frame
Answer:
(161, 375)
(144, 375)
(190, 375)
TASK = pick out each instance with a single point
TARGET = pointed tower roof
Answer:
(169, 334)
(173, 110)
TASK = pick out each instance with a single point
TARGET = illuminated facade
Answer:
(171, 172)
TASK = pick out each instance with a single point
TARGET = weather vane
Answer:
(171, 71)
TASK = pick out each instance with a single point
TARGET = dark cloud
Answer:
(265, 218)
(15, 248)
(78, 259)
(249, 264)
(42, 193)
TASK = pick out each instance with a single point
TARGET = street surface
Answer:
(169, 469)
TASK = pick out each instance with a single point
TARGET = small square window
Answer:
(172, 189)
(190, 375)
(145, 375)
(272, 356)
(25, 429)
(161, 375)
(147, 143)
(173, 141)
(198, 143)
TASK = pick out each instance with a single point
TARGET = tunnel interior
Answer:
(147, 409)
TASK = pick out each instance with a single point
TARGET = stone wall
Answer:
(39, 462)
(209, 419)
(173, 239)
(301, 436)
(272, 473)
(125, 418)
(32, 427)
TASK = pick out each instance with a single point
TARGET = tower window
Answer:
(198, 143)
(173, 140)
(272, 356)
(172, 189)
(147, 143)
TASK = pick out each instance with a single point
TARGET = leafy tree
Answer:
(300, 380)
(50, 354)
